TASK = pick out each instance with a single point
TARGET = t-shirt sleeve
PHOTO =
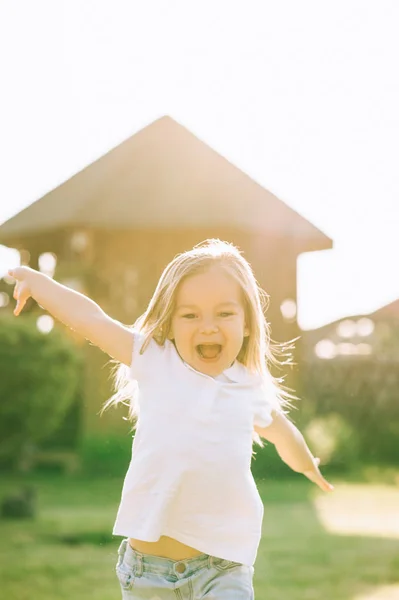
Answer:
(263, 413)
(143, 363)
(265, 402)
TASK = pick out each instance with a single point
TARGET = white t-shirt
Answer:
(189, 477)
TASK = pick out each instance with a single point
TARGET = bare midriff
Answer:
(165, 547)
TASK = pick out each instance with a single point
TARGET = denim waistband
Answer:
(163, 566)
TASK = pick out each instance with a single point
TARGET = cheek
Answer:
(235, 331)
(182, 331)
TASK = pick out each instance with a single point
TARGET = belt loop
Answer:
(121, 552)
(122, 548)
(138, 565)
(210, 561)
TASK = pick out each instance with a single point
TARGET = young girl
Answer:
(200, 392)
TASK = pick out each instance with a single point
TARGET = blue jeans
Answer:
(147, 577)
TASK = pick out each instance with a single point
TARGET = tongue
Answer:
(210, 350)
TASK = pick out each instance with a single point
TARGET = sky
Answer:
(302, 96)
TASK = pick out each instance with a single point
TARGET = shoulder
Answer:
(266, 401)
(148, 354)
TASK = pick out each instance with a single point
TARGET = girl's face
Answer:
(208, 323)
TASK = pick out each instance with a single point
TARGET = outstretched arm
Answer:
(75, 310)
(292, 448)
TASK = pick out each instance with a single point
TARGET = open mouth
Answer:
(209, 351)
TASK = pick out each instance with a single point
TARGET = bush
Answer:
(333, 440)
(267, 464)
(107, 455)
(39, 376)
(363, 393)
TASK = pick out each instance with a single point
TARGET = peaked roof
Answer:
(163, 176)
(387, 312)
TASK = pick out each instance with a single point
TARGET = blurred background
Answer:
(129, 135)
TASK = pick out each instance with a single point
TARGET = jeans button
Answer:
(180, 567)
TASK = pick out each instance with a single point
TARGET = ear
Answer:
(246, 331)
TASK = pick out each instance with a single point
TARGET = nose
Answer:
(208, 326)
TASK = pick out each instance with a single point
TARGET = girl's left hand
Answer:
(317, 478)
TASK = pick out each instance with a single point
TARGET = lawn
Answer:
(344, 546)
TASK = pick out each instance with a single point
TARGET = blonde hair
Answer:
(257, 351)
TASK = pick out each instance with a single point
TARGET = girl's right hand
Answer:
(317, 478)
(22, 290)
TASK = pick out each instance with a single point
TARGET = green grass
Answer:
(314, 547)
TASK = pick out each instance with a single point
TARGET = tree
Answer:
(39, 376)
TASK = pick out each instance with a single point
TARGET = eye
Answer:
(189, 316)
(226, 314)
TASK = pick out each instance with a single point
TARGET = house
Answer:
(375, 335)
(113, 227)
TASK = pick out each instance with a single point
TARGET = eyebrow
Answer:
(228, 303)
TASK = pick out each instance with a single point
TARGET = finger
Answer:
(16, 291)
(13, 273)
(21, 297)
(324, 485)
(19, 289)
(19, 307)
(317, 478)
